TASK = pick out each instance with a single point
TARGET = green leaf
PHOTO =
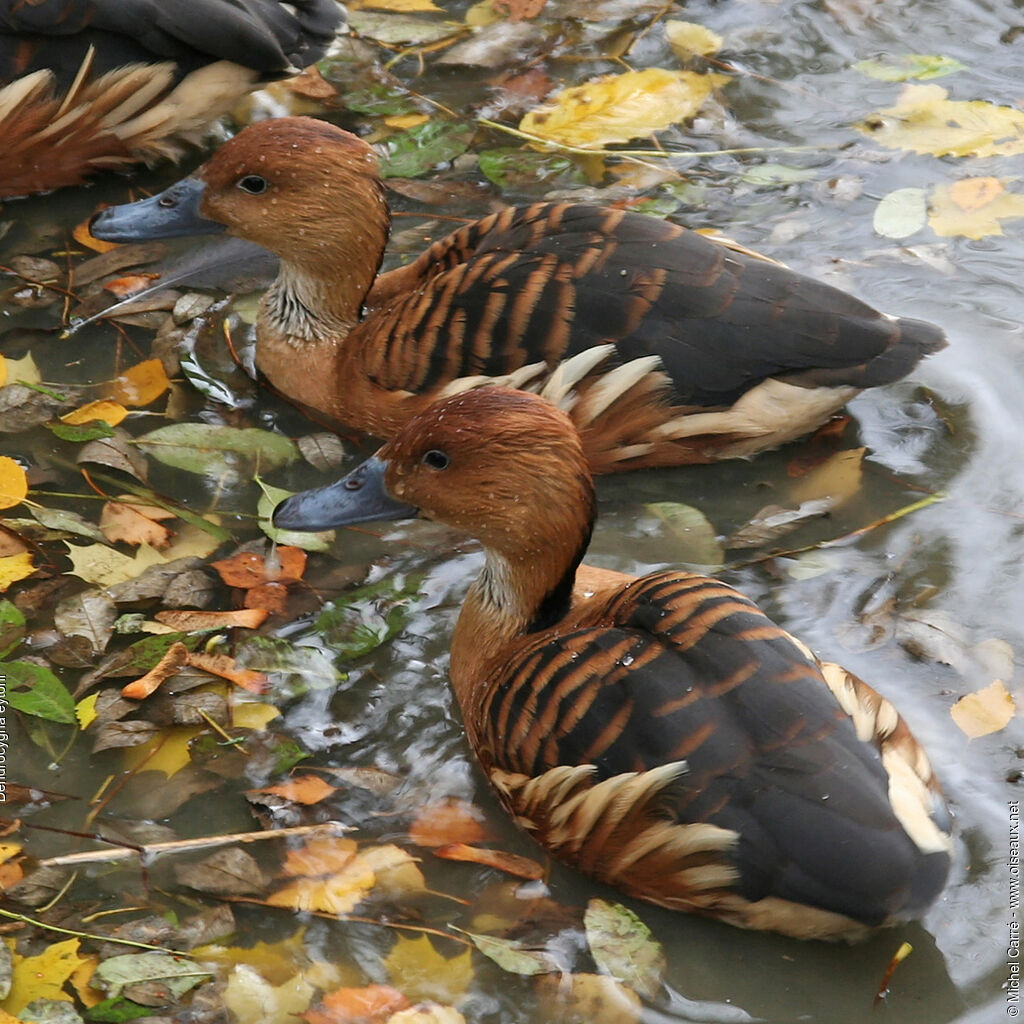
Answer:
(113, 1011)
(380, 99)
(398, 29)
(520, 168)
(513, 957)
(622, 946)
(217, 450)
(688, 525)
(902, 67)
(269, 500)
(35, 690)
(142, 655)
(81, 431)
(422, 148)
(177, 973)
(12, 627)
(776, 174)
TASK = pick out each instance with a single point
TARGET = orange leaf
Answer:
(521, 10)
(133, 525)
(311, 84)
(369, 1005)
(510, 863)
(452, 821)
(272, 597)
(187, 621)
(13, 483)
(122, 287)
(176, 656)
(325, 855)
(104, 409)
(83, 236)
(303, 789)
(974, 193)
(227, 668)
(141, 384)
(247, 569)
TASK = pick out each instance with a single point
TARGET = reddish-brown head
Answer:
(290, 184)
(505, 466)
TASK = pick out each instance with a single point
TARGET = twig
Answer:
(86, 935)
(187, 845)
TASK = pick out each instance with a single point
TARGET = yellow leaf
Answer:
(42, 976)
(23, 370)
(253, 715)
(96, 563)
(274, 961)
(482, 14)
(13, 483)
(688, 39)
(427, 1013)
(838, 478)
(167, 752)
(333, 894)
(396, 870)
(85, 710)
(253, 1000)
(398, 6)
(103, 409)
(3, 370)
(7, 1018)
(973, 208)
(595, 998)
(406, 120)
(141, 384)
(417, 970)
(925, 121)
(80, 979)
(618, 108)
(14, 568)
(192, 542)
(984, 711)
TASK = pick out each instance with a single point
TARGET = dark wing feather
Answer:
(684, 668)
(548, 281)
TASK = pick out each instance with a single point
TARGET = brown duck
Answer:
(663, 346)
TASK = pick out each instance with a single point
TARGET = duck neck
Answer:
(515, 595)
(310, 310)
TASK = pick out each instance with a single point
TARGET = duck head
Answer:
(277, 184)
(504, 466)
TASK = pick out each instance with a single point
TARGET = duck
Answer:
(660, 734)
(665, 347)
(91, 85)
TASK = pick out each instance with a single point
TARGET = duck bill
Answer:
(360, 497)
(171, 214)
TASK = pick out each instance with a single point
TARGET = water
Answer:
(953, 427)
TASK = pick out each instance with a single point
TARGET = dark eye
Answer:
(436, 459)
(253, 184)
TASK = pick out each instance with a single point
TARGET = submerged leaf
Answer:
(416, 968)
(688, 39)
(901, 67)
(515, 958)
(177, 973)
(618, 108)
(216, 450)
(622, 946)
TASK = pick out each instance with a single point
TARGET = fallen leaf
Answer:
(369, 1005)
(23, 370)
(103, 409)
(42, 976)
(516, 958)
(774, 521)
(984, 711)
(122, 287)
(400, 6)
(141, 384)
(973, 208)
(14, 568)
(837, 479)
(520, 10)
(228, 872)
(96, 563)
(594, 998)
(189, 621)
(302, 789)
(83, 236)
(3, 370)
(226, 667)
(688, 525)
(168, 665)
(622, 946)
(688, 39)
(451, 821)
(34, 690)
(89, 614)
(904, 66)
(618, 108)
(511, 863)
(216, 450)
(925, 121)
(135, 524)
(177, 973)
(901, 213)
(250, 998)
(13, 483)
(416, 968)
(311, 84)
(249, 569)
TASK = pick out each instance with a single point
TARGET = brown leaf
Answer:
(369, 1005)
(451, 821)
(163, 669)
(510, 863)
(190, 621)
(226, 667)
(311, 84)
(135, 524)
(302, 789)
(228, 872)
(271, 597)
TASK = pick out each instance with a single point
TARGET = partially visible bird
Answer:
(658, 733)
(664, 347)
(90, 85)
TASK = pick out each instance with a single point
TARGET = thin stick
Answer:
(186, 845)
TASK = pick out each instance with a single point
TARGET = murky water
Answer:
(954, 427)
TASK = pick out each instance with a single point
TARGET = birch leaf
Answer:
(925, 121)
(618, 108)
(984, 711)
